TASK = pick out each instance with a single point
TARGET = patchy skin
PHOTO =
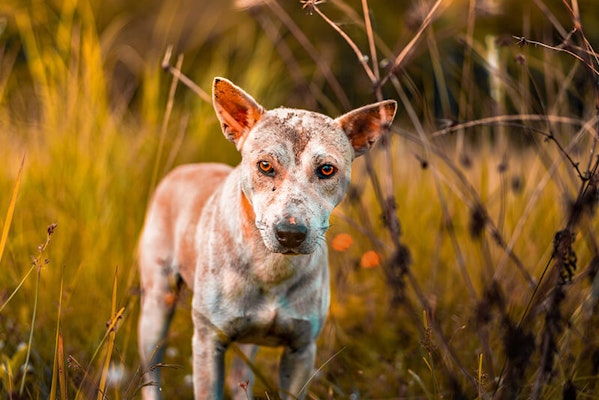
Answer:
(250, 243)
(301, 142)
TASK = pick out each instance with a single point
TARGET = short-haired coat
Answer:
(250, 240)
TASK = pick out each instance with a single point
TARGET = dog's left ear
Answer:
(236, 110)
(365, 125)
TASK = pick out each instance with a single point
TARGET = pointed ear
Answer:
(365, 125)
(236, 110)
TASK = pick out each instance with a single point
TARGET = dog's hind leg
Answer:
(160, 288)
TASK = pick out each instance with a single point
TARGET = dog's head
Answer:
(296, 164)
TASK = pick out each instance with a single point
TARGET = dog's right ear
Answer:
(236, 110)
(367, 124)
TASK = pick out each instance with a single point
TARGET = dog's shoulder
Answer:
(183, 192)
(190, 179)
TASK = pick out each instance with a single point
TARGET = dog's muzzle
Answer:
(290, 234)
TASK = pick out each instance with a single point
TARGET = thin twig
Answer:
(373, 53)
(289, 59)
(510, 119)
(355, 19)
(522, 41)
(167, 114)
(361, 57)
(406, 50)
(176, 72)
(318, 370)
(549, 15)
(303, 40)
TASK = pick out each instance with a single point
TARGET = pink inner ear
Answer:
(234, 121)
(237, 111)
(362, 133)
(365, 125)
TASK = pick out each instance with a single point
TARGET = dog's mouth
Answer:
(304, 249)
(301, 250)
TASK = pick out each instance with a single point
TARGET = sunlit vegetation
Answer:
(464, 260)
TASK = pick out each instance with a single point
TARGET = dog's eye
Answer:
(326, 171)
(266, 168)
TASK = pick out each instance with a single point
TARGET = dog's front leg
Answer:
(295, 370)
(208, 363)
(240, 378)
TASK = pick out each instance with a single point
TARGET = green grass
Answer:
(83, 101)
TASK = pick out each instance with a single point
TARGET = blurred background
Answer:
(464, 259)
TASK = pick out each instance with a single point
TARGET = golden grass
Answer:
(11, 210)
(479, 202)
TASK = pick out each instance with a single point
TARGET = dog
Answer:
(250, 240)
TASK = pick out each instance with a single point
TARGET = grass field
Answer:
(464, 259)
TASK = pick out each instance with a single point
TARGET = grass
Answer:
(469, 260)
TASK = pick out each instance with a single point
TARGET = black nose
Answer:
(290, 235)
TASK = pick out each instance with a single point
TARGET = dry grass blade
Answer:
(480, 374)
(551, 17)
(59, 378)
(14, 292)
(33, 318)
(331, 358)
(38, 262)
(507, 119)
(359, 55)
(257, 373)
(111, 335)
(523, 41)
(178, 75)
(421, 384)
(406, 50)
(110, 330)
(62, 371)
(169, 108)
(370, 34)
(11, 210)
(323, 67)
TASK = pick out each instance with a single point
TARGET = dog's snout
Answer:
(290, 234)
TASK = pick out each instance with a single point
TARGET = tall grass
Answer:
(468, 265)
(530, 325)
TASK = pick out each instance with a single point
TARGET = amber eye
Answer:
(266, 168)
(326, 171)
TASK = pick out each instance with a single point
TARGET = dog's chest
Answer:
(272, 329)
(273, 321)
